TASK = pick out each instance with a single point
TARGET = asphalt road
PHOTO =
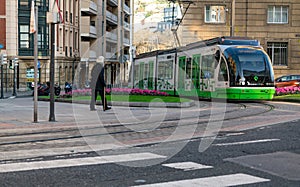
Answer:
(257, 144)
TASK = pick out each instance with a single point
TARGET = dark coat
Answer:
(98, 82)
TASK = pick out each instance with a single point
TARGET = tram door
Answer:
(196, 72)
(207, 67)
(151, 76)
(181, 73)
(141, 76)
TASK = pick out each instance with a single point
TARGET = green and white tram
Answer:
(226, 67)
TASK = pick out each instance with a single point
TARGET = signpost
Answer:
(3, 61)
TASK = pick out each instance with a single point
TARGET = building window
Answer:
(214, 14)
(39, 2)
(66, 16)
(66, 51)
(24, 36)
(24, 3)
(278, 14)
(278, 52)
(71, 18)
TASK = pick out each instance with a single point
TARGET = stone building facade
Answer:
(275, 23)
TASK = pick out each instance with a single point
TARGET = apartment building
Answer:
(106, 31)
(19, 43)
(275, 23)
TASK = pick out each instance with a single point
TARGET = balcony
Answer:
(110, 17)
(126, 26)
(113, 2)
(112, 37)
(110, 56)
(89, 7)
(86, 52)
(126, 9)
(86, 29)
(126, 41)
(90, 32)
(126, 57)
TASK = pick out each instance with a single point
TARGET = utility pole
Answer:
(35, 95)
(53, 17)
(232, 18)
(52, 73)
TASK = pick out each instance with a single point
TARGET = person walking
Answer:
(98, 84)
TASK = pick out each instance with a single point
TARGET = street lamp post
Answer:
(232, 18)
(2, 95)
(87, 73)
(52, 73)
(73, 69)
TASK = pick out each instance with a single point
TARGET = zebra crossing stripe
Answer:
(26, 166)
(31, 153)
(187, 166)
(220, 181)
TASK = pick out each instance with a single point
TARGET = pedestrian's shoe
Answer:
(92, 109)
(107, 108)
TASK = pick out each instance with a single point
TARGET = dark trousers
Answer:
(94, 98)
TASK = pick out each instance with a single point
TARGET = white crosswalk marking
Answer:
(247, 142)
(31, 153)
(220, 181)
(25, 166)
(187, 166)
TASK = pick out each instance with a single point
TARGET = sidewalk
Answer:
(16, 115)
(9, 93)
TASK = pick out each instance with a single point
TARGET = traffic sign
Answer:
(1, 46)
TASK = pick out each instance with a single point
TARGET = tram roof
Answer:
(224, 40)
(157, 52)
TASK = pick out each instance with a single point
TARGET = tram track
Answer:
(167, 126)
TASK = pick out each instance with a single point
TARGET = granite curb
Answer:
(131, 104)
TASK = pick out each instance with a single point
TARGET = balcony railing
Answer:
(111, 36)
(126, 41)
(89, 7)
(111, 17)
(113, 2)
(110, 55)
(87, 52)
(126, 9)
(126, 25)
(93, 31)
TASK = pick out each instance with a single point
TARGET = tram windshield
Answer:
(249, 67)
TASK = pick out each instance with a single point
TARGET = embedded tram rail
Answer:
(132, 134)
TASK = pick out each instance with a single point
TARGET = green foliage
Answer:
(149, 14)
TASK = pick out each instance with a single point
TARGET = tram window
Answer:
(165, 69)
(207, 66)
(223, 73)
(188, 69)
(146, 71)
(195, 67)
(252, 64)
(136, 72)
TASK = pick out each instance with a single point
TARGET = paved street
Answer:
(209, 144)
